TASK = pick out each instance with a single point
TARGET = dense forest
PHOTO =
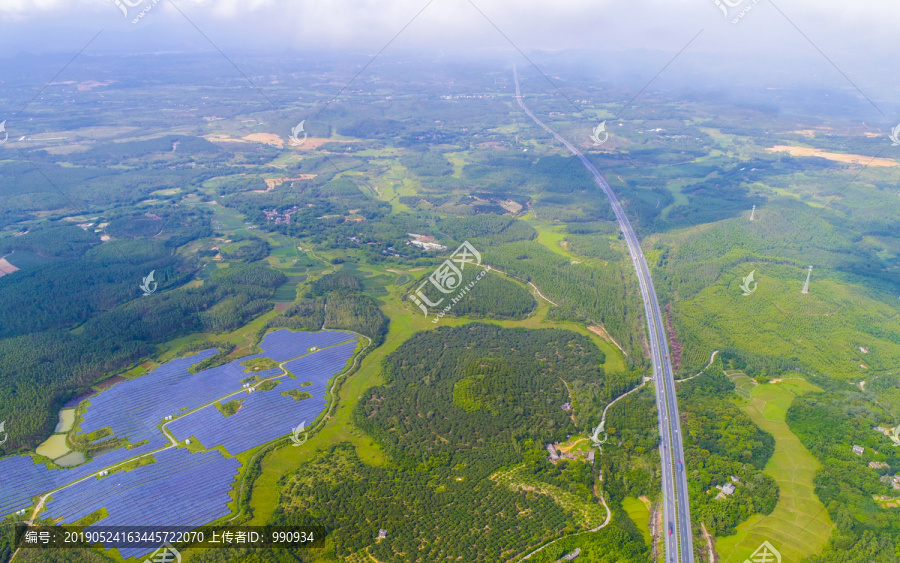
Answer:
(630, 459)
(486, 229)
(481, 389)
(721, 442)
(461, 405)
(493, 297)
(829, 424)
(75, 276)
(335, 301)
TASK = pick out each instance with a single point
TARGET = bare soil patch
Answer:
(272, 183)
(838, 157)
(223, 139)
(601, 332)
(266, 138)
(6, 267)
(312, 143)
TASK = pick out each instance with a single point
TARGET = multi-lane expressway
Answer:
(676, 510)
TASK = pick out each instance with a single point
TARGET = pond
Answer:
(54, 447)
(66, 420)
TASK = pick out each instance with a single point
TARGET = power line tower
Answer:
(752, 212)
(806, 285)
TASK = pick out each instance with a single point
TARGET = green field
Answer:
(799, 526)
(639, 513)
(743, 385)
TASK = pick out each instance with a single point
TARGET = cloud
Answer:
(848, 32)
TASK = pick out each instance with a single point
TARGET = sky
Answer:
(866, 29)
(837, 44)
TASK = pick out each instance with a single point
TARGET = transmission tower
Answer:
(752, 212)
(806, 285)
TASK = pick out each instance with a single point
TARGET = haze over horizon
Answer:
(832, 46)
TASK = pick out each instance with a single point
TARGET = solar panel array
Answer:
(283, 344)
(266, 415)
(180, 489)
(134, 408)
(23, 478)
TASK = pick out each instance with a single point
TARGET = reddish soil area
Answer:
(106, 384)
(675, 346)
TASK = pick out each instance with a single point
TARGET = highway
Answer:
(676, 509)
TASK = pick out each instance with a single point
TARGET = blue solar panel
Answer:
(194, 487)
(266, 415)
(134, 408)
(23, 478)
(180, 489)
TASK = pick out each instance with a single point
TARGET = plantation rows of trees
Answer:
(484, 230)
(482, 398)
(584, 293)
(594, 246)
(427, 516)
(479, 392)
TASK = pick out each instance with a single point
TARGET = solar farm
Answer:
(195, 486)
(266, 415)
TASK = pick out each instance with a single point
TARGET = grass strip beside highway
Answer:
(799, 526)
